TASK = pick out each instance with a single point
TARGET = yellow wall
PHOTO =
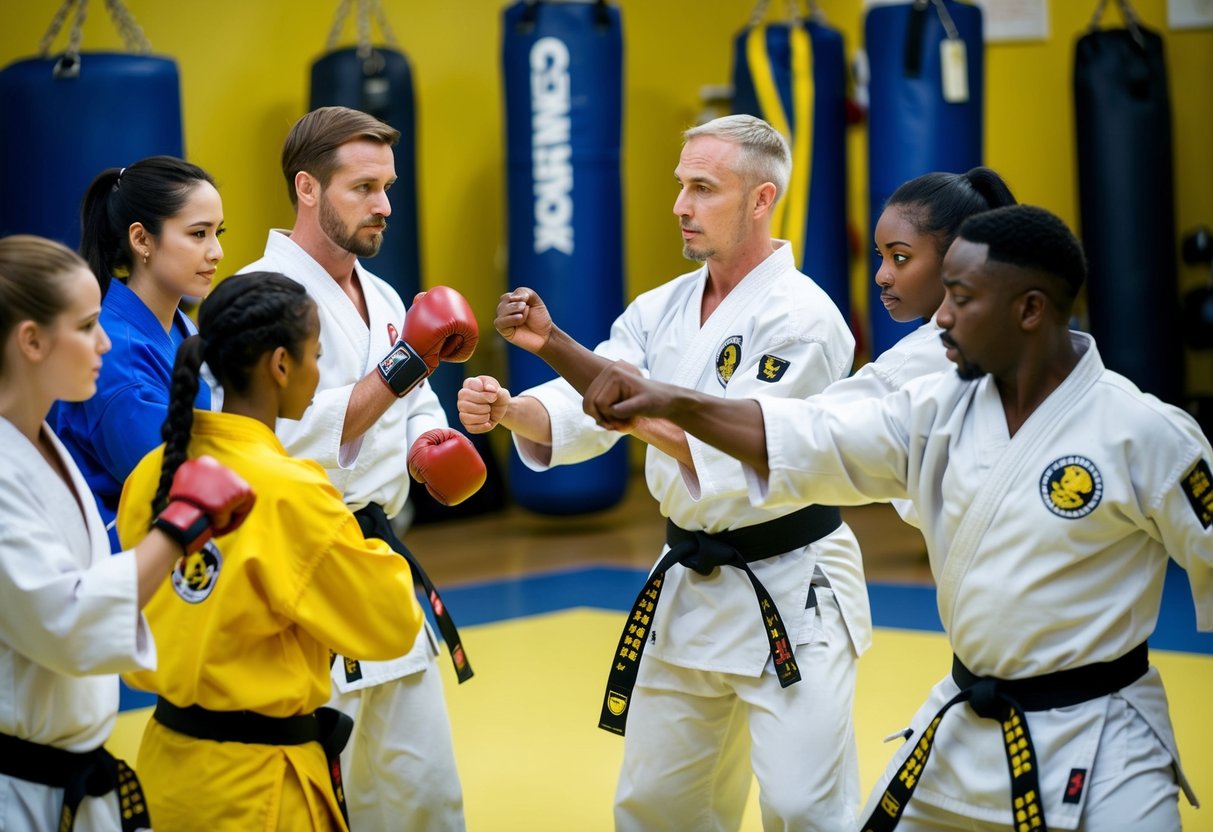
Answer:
(244, 68)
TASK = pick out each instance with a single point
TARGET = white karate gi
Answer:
(706, 676)
(400, 761)
(69, 623)
(1033, 577)
(918, 354)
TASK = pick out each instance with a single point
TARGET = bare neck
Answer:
(726, 271)
(335, 260)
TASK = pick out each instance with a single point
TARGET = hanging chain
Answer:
(362, 22)
(124, 22)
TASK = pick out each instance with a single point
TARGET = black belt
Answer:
(374, 523)
(705, 552)
(327, 726)
(1008, 700)
(90, 773)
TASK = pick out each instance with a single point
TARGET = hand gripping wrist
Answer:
(402, 369)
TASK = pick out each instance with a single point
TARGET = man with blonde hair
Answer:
(751, 623)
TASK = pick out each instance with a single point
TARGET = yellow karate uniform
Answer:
(248, 623)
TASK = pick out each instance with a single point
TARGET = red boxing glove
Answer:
(206, 500)
(447, 462)
(440, 325)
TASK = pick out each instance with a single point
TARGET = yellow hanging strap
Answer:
(791, 213)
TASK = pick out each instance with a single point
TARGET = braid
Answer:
(245, 317)
(180, 418)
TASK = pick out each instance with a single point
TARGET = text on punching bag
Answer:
(551, 153)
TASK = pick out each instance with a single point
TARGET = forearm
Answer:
(735, 426)
(573, 362)
(664, 436)
(527, 417)
(369, 400)
(155, 557)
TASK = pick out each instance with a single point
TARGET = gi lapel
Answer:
(726, 320)
(1022, 449)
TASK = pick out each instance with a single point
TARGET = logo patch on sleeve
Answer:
(727, 359)
(771, 369)
(1198, 486)
(1075, 783)
(1071, 487)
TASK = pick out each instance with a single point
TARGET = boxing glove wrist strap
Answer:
(402, 369)
(187, 525)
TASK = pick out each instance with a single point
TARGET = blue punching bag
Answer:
(793, 76)
(1126, 204)
(563, 98)
(378, 80)
(926, 89)
(67, 118)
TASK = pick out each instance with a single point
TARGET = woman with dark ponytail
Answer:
(150, 234)
(918, 224)
(239, 738)
(69, 610)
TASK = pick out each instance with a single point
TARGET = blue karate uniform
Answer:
(108, 434)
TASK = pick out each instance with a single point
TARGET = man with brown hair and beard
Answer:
(370, 406)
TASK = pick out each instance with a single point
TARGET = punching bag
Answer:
(793, 76)
(67, 118)
(563, 74)
(927, 63)
(378, 80)
(1126, 204)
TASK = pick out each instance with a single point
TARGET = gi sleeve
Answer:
(1182, 510)
(358, 599)
(849, 454)
(71, 620)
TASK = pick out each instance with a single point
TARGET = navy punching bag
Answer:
(563, 73)
(793, 76)
(1126, 203)
(927, 63)
(68, 118)
(378, 80)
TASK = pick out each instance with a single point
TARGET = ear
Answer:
(307, 189)
(1035, 310)
(764, 199)
(280, 366)
(32, 341)
(139, 237)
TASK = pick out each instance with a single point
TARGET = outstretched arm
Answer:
(620, 397)
(523, 320)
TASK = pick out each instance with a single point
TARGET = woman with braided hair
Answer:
(150, 234)
(69, 611)
(239, 738)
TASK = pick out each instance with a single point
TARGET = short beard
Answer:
(332, 226)
(970, 372)
(697, 255)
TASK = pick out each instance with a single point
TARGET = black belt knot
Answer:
(704, 553)
(1008, 701)
(93, 773)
